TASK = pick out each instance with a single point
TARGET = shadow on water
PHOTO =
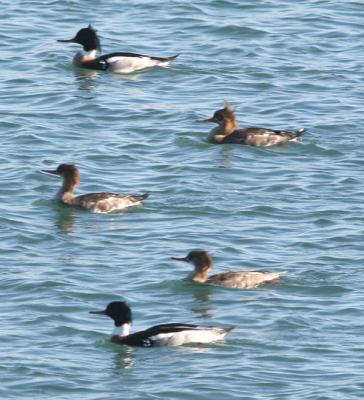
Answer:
(124, 359)
(201, 294)
(86, 79)
(227, 158)
(65, 218)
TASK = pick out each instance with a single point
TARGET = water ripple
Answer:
(282, 64)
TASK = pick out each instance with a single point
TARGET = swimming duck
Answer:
(174, 334)
(96, 202)
(227, 131)
(119, 62)
(202, 262)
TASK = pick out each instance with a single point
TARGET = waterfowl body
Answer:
(120, 62)
(174, 334)
(96, 202)
(227, 131)
(202, 263)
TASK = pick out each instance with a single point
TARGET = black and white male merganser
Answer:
(96, 202)
(160, 335)
(227, 131)
(202, 262)
(119, 62)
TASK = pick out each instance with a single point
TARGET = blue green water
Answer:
(282, 64)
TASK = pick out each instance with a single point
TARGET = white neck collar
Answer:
(123, 330)
(91, 53)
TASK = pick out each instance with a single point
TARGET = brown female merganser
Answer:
(227, 131)
(95, 202)
(232, 279)
(120, 62)
(174, 334)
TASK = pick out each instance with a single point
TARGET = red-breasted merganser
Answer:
(174, 334)
(232, 279)
(119, 62)
(96, 202)
(227, 131)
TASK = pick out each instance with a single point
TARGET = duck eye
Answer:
(218, 116)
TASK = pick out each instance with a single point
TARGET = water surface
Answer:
(298, 208)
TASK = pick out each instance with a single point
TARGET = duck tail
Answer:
(276, 276)
(294, 135)
(300, 132)
(273, 277)
(171, 58)
(165, 59)
(228, 329)
(138, 198)
(223, 331)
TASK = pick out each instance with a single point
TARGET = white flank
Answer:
(189, 336)
(126, 65)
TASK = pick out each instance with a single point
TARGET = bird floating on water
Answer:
(103, 202)
(174, 334)
(202, 263)
(119, 62)
(227, 131)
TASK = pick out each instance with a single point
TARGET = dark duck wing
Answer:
(108, 202)
(261, 136)
(105, 57)
(174, 334)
